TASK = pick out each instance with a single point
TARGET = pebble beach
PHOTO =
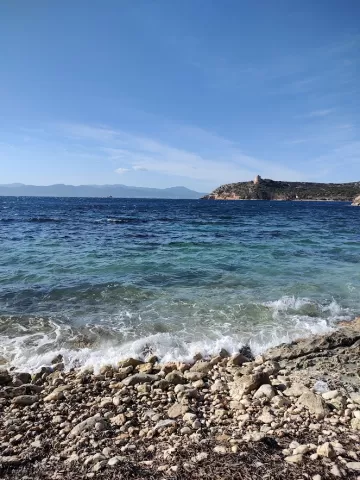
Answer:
(293, 412)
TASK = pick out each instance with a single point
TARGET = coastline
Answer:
(291, 412)
(278, 200)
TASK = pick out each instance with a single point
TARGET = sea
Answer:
(98, 280)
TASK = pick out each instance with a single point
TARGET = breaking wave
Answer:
(29, 343)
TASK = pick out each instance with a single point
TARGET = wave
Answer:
(125, 220)
(308, 306)
(32, 220)
(138, 220)
(32, 343)
(44, 220)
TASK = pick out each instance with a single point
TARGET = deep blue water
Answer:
(100, 279)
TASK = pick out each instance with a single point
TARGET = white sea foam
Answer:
(285, 303)
(30, 351)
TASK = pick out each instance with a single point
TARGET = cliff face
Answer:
(265, 189)
(356, 202)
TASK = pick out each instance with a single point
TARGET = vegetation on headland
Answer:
(265, 189)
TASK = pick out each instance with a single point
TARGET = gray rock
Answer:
(194, 376)
(175, 378)
(355, 423)
(118, 420)
(266, 417)
(25, 400)
(189, 417)
(271, 367)
(129, 362)
(87, 425)
(220, 449)
(116, 460)
(177, 410)
(237, 360)
(185, 431)
(5, 378)
(98, 457)
(196, 425)
(338, 403)
(201, 366)
(200, 457)
(335, 471)
(218, 386)
(265, 391)
(31, 388)
(355, 397)
(123, 372)
(296, 390)
(56, 394)
(164, 424)
(72, 459)
(354, 466)
(99, 466)
(24, 377)
(314, 403)
(301, 449)
(246, 384)
(140, 378)
(279, 401)
(294, 459)
(326, 450)
(330, 395)
(9, 461)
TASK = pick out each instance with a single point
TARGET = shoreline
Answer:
(279, 200)
(291, 412)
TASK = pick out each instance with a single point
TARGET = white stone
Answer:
(265, 391)
(355, 466)
(294, 459)
(335, 471)
(302, 449)
(220, 449)
(326, 450)
(330, 395)
(189, 417)
(266, 417)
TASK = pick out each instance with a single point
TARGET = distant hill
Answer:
(116, 191)
(265, 189)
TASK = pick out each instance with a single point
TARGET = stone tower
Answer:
(257, 180)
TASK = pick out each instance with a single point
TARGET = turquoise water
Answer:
(101, 279)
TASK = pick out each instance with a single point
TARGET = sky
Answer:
(160, 93)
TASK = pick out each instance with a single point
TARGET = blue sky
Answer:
(193, 92)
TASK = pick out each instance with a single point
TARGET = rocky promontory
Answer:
(291, 413)
(356, 201)
(265, 189)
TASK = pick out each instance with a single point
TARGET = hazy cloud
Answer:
(216, 160)
(321, 113)
(139, 168)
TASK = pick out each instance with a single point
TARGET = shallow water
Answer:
(101, 279)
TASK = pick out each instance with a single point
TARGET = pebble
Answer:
(354, 466)
(25, 400)
(326, 450)
(335, 471)
(220, 449)
(294, 459)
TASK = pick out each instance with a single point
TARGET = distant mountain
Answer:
(265, 189)
(116, 191)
